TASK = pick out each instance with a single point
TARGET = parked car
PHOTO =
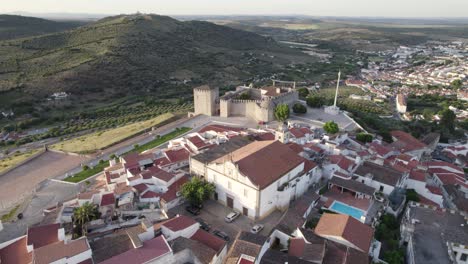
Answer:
(221, 234)
(193, 209)
(231, 217)
(203, 224)
(256, 229)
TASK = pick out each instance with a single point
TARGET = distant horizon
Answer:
(45, 14)
(317, 8)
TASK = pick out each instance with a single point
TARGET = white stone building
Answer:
(254, 178)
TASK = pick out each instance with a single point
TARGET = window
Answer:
(246, 192)
(229, 185)
(464, 257)
(381, 188)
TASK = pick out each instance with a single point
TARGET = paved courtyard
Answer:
(18, 184)
(318, 117)
(213, 213)
(48, 195)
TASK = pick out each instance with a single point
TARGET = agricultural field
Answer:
(15, 159)
(102, 139)
(326, 97)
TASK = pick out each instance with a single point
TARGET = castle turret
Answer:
(205, 99)
(282, 133)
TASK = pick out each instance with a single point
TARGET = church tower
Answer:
(282, 133)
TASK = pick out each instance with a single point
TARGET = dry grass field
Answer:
(15, 159)
(102, 139)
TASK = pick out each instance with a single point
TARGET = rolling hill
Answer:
(12, 26)
(130, 55)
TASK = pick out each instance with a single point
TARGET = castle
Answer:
(256, 103)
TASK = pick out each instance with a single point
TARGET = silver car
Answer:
(256, 229)
(231, 217)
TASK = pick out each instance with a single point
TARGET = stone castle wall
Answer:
(205, 101)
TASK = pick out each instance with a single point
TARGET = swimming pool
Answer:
(346, 209)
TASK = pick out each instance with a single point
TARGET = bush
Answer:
(314, 101)
(364, 137)
(299, 108)
(331, 127)
(412, 195)
(282, 112)
(303, 92)
(85, 167)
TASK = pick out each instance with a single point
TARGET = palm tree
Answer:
(84, 214)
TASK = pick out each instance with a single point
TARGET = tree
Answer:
(282, 112)
(303, 92)
(196, 191)
(299, 108)
(456, 84)
(412, 195)
(83, 215)
(428, 114)
(364, 137)
(314, 101)
(447, 119)
(331, 127)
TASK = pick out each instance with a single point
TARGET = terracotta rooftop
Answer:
(16, 253)
(295, 147)
(171, 193)
(107, 199)
(150, 194)
(209, 240)
(265, 136)
(121, 188)
(40, 236)
(405, 142)
(263, 162)
(197, 142)
(140, 188)
(59, 250)
(342, 162)
(151, 250)
(177, 155)
(219, 129)
(418, 175)
(179, 223)
(347, 228)
(87, 195)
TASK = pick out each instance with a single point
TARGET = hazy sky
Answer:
(374, 8)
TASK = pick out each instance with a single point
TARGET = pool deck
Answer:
(347, 198)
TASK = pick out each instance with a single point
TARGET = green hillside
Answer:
(12, 26)
(133, 55)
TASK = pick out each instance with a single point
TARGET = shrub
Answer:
(331, 127)
(364, 137)
(299, 108)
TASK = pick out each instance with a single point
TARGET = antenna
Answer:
(337, 86)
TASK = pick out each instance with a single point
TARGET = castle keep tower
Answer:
(205, 99)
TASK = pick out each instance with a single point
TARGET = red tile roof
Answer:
(296, 132)
(296, 247)
(418, 175)
(162, 161)
(151, 250)
(16, 253)
(180, 222)
(442, 164)
(346, 227)
(209, 240)
(313, 147)
(264, 162)
(150, 194)
(107, 199)
(140, 188)
(177, 155)
(219, 129)
(405, 142)
(171, 193)
(342, 162)
(197, 141)
(434, 190)
(309, 165)
(40, 236)
(60, 250)
(295, 147)
(380, 149)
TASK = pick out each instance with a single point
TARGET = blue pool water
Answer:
(345, 209)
